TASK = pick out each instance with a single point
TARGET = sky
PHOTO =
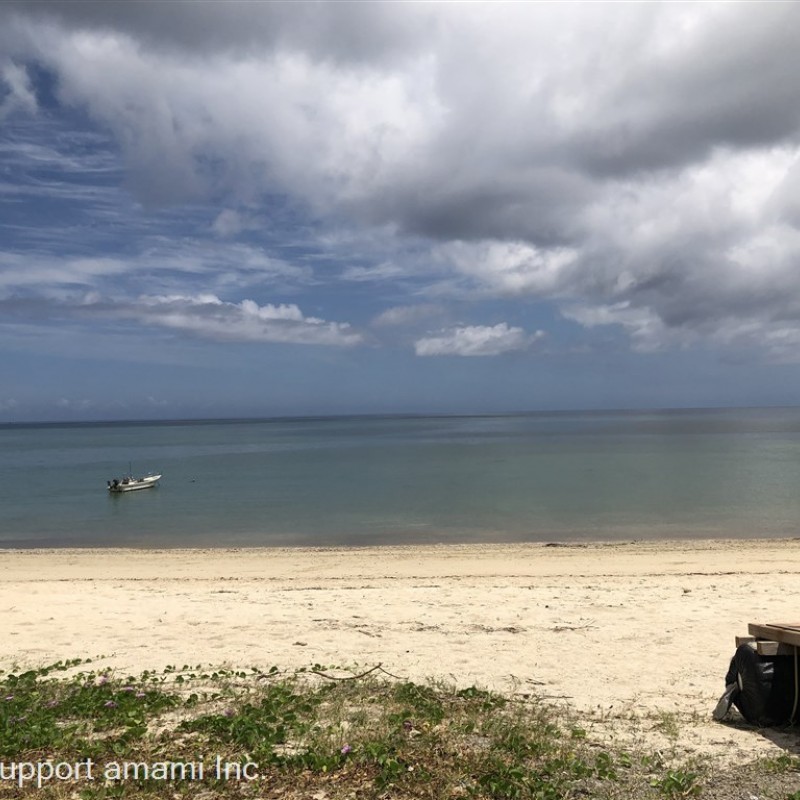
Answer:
(231, 209)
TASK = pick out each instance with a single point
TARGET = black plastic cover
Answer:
(766, 692)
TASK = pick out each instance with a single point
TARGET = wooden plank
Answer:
(784, 633)
(740, 640)
(764, 648)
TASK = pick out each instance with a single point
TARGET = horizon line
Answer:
(385, 415)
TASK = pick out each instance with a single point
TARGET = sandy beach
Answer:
(624, 633)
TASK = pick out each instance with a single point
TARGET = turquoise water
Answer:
(389, 480)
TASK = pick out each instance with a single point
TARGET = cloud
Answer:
(694, 252)
(510, 268)
(16, 92)
(380, 272)
(294, 123)
(408, 316)
(162, 265)
(636, 165)
(688, 55)
(646, 330)
(207, 316)
(204, 316)
(21, 271)
(477, 340)
(229, 223)
(347, 32)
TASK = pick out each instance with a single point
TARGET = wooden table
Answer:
(777, 638)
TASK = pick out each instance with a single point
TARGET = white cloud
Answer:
(190, 128)
(511, 268)
(477, 340)
(209, 317)
(19, 95)
(646, 330)
(205, 316)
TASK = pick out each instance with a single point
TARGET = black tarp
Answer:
(764, 689)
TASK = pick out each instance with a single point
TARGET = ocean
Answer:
(355, 481)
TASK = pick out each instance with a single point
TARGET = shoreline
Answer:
(616, 630)
(559, 556)
(636, 533)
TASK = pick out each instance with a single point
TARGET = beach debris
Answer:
(490, 629)
(376, 668)
(568, 626)
(565, 544)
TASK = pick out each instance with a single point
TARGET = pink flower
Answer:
(346, 749)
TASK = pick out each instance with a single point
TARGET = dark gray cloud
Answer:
(342, 31)
(727, 81)
(457, 200)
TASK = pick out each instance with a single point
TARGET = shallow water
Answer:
(390, 480)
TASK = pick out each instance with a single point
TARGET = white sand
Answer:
(622, 632)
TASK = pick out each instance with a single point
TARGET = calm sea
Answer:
(387, 480)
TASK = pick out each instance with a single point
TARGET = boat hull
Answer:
(133, 484)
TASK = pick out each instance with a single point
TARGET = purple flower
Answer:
(9, 697)
(128, 689)
(140, 695)
(110, 704)
(346, 749)
(228, 712)
(102, 680)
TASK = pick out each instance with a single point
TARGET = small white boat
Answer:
(131, 484)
